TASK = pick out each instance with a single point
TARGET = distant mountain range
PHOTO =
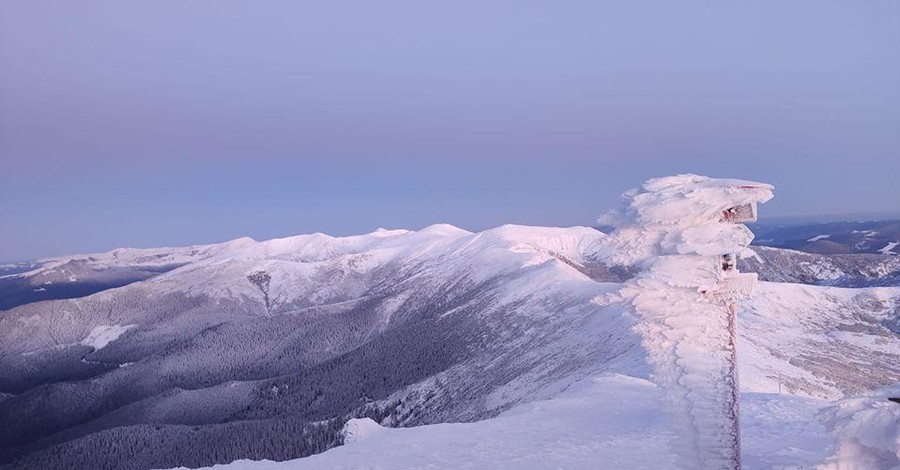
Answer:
(882, 237)
(81, 275)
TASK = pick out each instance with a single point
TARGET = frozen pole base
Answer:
(685, 298)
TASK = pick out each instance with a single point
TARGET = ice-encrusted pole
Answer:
(685, 234)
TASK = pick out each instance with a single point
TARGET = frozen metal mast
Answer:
(731, 286)
(686, 233)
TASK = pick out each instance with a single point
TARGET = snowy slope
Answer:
(603, 422)
(822, 342)
(80, 275)
(64, 268)
(867, 429)
(857, 270)
(856, 237)
(428, 326)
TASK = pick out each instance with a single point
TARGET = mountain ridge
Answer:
(405, 327)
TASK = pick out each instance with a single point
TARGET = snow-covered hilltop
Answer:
(529, 338)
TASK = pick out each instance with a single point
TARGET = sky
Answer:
(159, 123)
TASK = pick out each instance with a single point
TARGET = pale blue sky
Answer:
(169, 122)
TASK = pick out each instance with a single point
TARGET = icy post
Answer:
(685, 234)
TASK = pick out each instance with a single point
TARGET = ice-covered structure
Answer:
(685, 233)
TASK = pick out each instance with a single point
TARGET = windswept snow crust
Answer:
(680, 215)
(605, 422)
(867, 429)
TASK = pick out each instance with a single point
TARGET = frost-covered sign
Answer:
(685, 234)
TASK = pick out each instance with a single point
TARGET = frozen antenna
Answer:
(685, 298)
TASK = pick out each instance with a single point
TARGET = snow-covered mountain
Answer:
(842, 237)
(859, 270)
(299, 333)
(264, 350)
(80, 275)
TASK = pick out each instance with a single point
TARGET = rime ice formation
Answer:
(683, 232)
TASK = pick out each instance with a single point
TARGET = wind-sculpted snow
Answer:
(602, 422)
(672, 227)
(867, 429)
(684, 201)
(673, 215)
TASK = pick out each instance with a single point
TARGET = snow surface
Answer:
(818, 237)
(868, 431)
(102, 335)
(358, 429)
(889, 248)
(604, 422)
(785, 324)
